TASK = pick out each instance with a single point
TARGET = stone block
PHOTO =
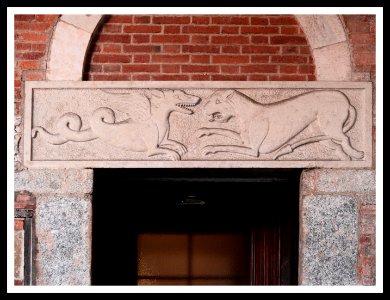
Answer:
(63, 230)
(54, 181)
(329, 240)
(85, 22)
(18, 254)
(344, 181)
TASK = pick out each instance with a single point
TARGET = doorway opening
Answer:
(195, 227)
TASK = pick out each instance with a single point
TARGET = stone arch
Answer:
(325, 33)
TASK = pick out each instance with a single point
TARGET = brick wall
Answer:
(200, 47)
(32, 36)
(362, 34)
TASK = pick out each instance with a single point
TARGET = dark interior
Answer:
(261, 205)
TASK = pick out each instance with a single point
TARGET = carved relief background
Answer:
(270, 124)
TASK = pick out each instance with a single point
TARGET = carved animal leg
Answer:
(179, 147)
(218, 131)
(230, 148)
(337, 148)
(165, 151)
(343, 140)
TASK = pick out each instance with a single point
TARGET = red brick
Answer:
(230, 29)
(311, 77)
(171, 19)
(141, 38)
(364, 239)
(95, 68)
(230, 20)
(230, 69)
(200, 77)
(200, 69)
(200, 20)
(172, 29)
(28, 18)
(368, 209)
(46, 18)
(169, 77)
(112, 28)
(141, 68)
(290, 49)
(31, 37)
(259, 69)
(230, 49)
(364, 48)
(229, 77)
(260, 58)
(120, 19)
(304, 50)
(170, 38)
(287, 39)
(229, 39)
(33, 26)
(112, 48)
(171, 48)
(111, 58)
(261, 49)
(259, 21)
(18, 282)
(141, 58)
(200, 49)
(285, 59)
(17, 83)
(201, 29)
(306, 69)
(283, 21)
(99, 77)
(29, 64)
(289, 30)
(111, 68)
(139, 48)
(288, 69)
(115, 38)
(200, 39)
(22, 46)
(34, 75)
(200, 59)
(288, 77)
(23, 197)
(362, 38)
(368, 281)
(170, 68)
(170, 58)
(95, 48)
(259, 29)
(18, 224)
(358, 27)
(364, 58)
(29, 55)
(258, 77)
(259, 39)
(38, 47)
(142, 29)
(230, 59)
(142, 19)
(140, 77)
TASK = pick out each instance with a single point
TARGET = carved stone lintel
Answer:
(207, 124)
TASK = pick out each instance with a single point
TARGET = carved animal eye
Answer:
(217, 101)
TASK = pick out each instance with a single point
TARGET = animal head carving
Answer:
(218, 107)
(172, 100)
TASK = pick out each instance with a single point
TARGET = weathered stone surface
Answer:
(329, 240)
(63, 230)
(340, 181)
(66, 63)
(322, 30)
(18, 254)
(333, 62)
(54, 181)
(198, 124)
(85, 22)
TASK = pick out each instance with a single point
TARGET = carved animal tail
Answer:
(69, 129)
(351, 119)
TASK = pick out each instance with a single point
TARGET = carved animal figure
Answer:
(268, 128)
(146, 130)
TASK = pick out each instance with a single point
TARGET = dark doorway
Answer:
(195, 227)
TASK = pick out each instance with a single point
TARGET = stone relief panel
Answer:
(198, 124)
